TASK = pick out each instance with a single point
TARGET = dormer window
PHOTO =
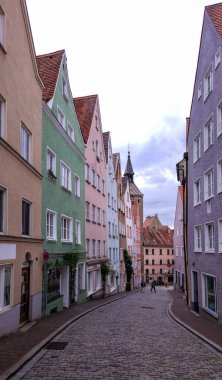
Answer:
(208, 82)
(64, 88)
(61, 117)
(217, 57)
(199, 92)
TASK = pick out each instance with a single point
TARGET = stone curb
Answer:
(193, 331)
(21, 362)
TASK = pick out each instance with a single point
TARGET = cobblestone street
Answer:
(134, 338)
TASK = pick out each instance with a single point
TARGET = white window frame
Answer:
(197, 192)
(30, 217)
(208, 134)
(94, 213)
(176, 252)
(208, 82)
(98, 248)
(209, 237)
(3, 304)
(205, 303)
(51, 224)
(65, 88)
(199, 91)
(66, 231)
(217, 57)
(76, 185)
(93, 247)
(88, 247)
(209, 184)
(81, 276)
(104, 218)
(197, 147)
(66, 178)
(182, 251)
(78, 231)
(198, 238)
(219, 176)
(2, 114)
(88, 210)
(98, 215)
(70, 131)
(25, 143)
(3, 209)
(103, 187)
(220, 235)
(87, 172)
(219, 119)
(50, 161)
(98, 182)
(93, 178)
(61, 117)
(2, 28)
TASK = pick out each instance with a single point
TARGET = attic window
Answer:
(2, 28)
(65, 89)
(199, 92)
(217, 57)
(208, 82)
(97, 123)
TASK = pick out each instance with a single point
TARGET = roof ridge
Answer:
(85, 97)
(52, 53)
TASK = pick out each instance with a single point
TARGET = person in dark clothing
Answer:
(143, 284)
(153, 286)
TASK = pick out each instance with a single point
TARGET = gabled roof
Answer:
(49, 66)
(129, 168)
(85, 107)
(158, 238)
(215, 13)
(106, 144)
(152, 222)
(134, 191)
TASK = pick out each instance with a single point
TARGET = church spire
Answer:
(129, 168)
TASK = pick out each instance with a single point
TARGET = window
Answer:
(51, 163)
(93, 248)
(93, 178)
(103, 186)
(66, 177)
(219, 119)
(87, 210)
(209, 237)
(208, 134)
(98, 215)
(26, 211)
(5, 286)
(87, 171)
(109, 229)
(81, 276)
(153, 271)
(94, 213)
(2, 209)
(199, 91)
(209, 293)
(208, 82)
(88, 247)
(2, 111)
(153, 262)
(182, 251)
(147, 262)
(104, 248)
(220, 235)
(197, 239)
(66, 229)
(76, 185)
(78, 232)
(98, 248)
(160, 251)
(25, 143)
(161, 261)
(219, 176)
(197, 148)
(2, 27)
(168, 251)
(51, 225)
(109, 200)
(209, 184)
(98, 182)
(65, 88)
(61, 117)
(178, 231)
(53, 283)
(147, 251)
(176, 251)
(104, 218)
(97, 149)
(70, 132)
(197, 192)
(217, 57)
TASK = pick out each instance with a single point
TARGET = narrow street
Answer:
(134, 337)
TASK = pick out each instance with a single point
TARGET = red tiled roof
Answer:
(215, 13)
(48, 66)
(152, 222)
(158, 238)
(85, 107)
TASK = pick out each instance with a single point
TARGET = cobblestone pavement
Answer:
(132, 338)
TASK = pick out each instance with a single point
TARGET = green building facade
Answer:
(63, 194)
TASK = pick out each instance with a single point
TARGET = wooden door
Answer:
(24, 308)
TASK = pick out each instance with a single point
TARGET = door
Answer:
(195, 293)
(24, 307)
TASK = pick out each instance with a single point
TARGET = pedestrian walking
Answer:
(166, 283)
(153, 286)
(143, 284)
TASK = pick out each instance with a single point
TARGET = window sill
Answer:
(207, 199)
(67, 190)
(208, 147)
(198, 251)
(88, 181)
(51, 240)
(197, 204)
(66, 242)
(88, 220)
(93, 222)
(198, 159)
(213, 313)
(210, 251)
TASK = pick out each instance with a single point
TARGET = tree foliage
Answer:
(128, 265)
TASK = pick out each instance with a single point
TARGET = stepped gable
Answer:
(215, 13)
(85, 107)
(153, 222)
(105, 143)
(48, 67)
(158, 237)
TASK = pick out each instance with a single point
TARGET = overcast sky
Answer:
(140, 57)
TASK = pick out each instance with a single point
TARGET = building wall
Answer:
(201, 262)
(22, 92)
(178, 242)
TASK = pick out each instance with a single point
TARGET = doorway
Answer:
(195, 293)
(24, 307)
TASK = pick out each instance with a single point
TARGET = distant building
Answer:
(205, 172)
(178, 243)
(158, 251)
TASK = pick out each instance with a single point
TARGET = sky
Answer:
(140, 57)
